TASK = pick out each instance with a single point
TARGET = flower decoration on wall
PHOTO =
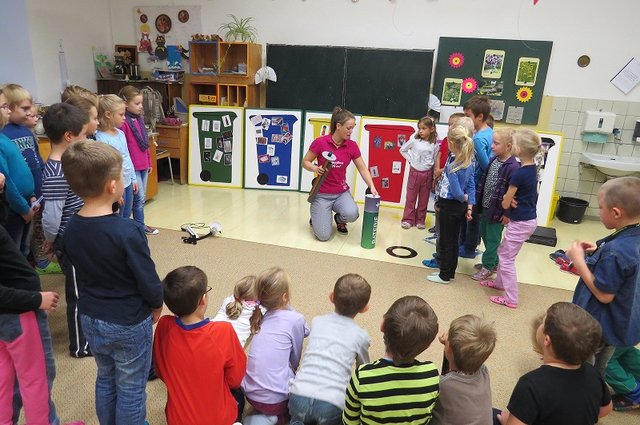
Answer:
(456, 60)
(469, 85)
(524, 94)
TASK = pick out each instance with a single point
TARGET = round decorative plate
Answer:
(163, 24)
(144, 18)
(183, 16)
(584, 61)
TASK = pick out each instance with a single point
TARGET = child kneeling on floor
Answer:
(465, 389)
(200, 361)
(565, 389)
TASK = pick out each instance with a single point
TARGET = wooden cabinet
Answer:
(175, 139)
(152, 179)
(167, 90)
(222, 73)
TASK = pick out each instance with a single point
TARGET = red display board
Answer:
(386, 164)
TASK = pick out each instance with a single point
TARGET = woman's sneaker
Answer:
(342, 227)
(151, 230)
(405, 225)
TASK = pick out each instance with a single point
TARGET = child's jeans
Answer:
(418, 188)
(516, 233)
(141, 196)
(20, 232)
(50, 364)
(22, 356)
(491, 233)
(125, 208)
(452, 215)
(305, 410)
(123, 356)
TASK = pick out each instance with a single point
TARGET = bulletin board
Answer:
(317, 124)
(547, 161)
(511, 73)
(272, 148)
(380, 142)
(215, 146)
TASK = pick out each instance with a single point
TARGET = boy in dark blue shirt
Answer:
(609, 285)
(120, 292)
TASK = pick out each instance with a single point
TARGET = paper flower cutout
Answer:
(456, 60)
(524, 94)
(469, 85)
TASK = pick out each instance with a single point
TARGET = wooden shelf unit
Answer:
(233, 82)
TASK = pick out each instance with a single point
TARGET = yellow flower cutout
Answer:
(524, 94)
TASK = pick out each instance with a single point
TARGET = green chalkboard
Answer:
(388, 82)
(309, 77)
(380, 82)
(511, 73)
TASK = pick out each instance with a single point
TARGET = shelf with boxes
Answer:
(222, 73)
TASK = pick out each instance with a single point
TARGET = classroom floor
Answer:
(282, 218)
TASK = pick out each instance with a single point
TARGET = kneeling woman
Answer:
(333, 195)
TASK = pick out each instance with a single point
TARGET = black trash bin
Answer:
(571, 210)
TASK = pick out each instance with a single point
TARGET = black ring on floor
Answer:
(411, 252)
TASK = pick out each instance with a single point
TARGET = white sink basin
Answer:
(612, 165)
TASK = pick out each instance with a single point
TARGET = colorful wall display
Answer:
(511, 73)
(272, 148)
(380, 142)
(215, 146)
(317, 124)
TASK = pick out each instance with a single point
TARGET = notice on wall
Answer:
(628, 77)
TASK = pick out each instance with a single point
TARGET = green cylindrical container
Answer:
(370, 221)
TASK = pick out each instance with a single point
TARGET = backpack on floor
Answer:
(152, 104)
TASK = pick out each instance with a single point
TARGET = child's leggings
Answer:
(22, 355)
(516, 233)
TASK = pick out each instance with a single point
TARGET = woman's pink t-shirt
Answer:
(336, 181)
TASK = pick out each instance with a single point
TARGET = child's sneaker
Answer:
(421, 226)
(464, 254)
(482, 274)
(500, 300)
(432, 264)
(432, 229)
(405, 225)
(51, 268)
(151, 230)
(622, 403)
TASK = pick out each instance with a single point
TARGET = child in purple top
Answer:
(276, 348)
(138, 145)
(521, 197)
(334, 194)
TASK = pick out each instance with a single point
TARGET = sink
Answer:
(612, 165)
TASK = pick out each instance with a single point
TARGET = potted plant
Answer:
(239, 30)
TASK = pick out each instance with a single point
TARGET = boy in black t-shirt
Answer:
(565, 390)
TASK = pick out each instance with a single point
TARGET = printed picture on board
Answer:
(490, 88)
(451, 91)
(527, 71)
(493, 63)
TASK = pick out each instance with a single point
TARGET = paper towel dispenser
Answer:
(599, 122)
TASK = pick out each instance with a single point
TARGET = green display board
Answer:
(511, 73)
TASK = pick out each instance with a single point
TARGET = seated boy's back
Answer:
(335, 342)
(465, 389)
(198, 360)
(397, 389)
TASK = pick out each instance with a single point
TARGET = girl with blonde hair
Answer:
(111, 109)
(520, 203)
(276, 347)
(238, 308)
(456, 197)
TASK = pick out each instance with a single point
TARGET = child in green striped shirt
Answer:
(397, 389)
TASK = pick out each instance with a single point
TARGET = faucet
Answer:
(617, 139)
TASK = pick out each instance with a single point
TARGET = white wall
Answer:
(606, 31)
(81, 25)
(16, 65)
